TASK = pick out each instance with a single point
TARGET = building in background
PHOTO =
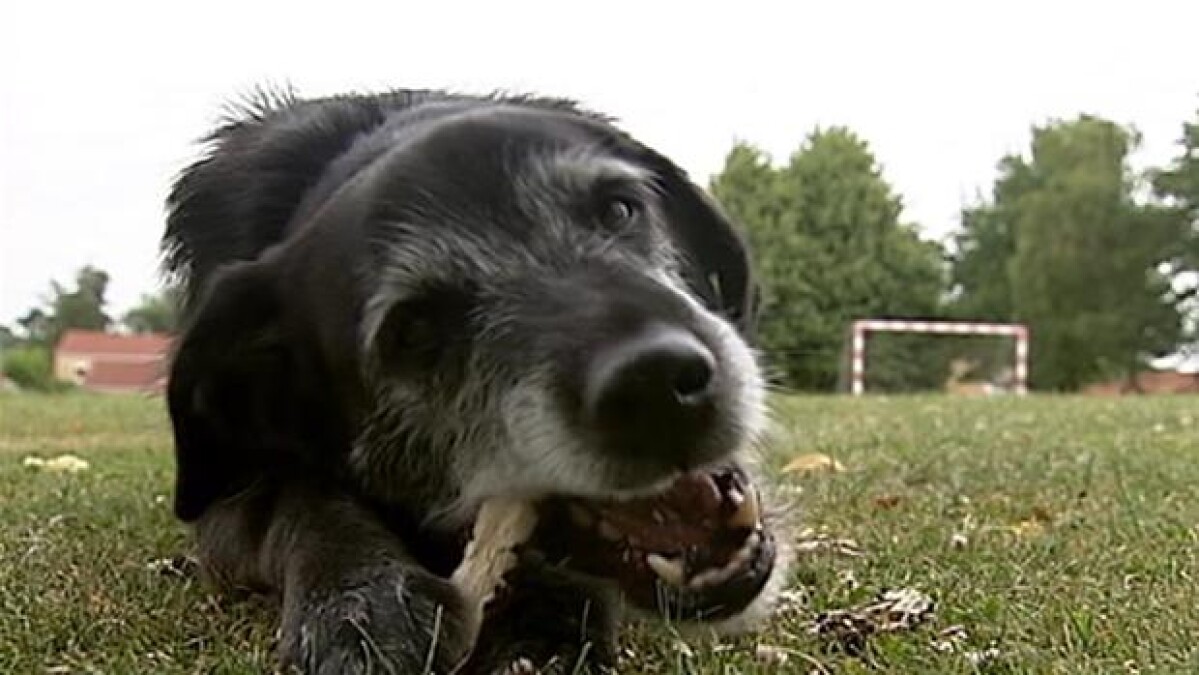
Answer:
(109, 362)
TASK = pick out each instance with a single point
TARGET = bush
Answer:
(30, 368)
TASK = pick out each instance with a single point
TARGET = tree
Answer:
(29, 367)
(983, 248)
(154, 314)
(1180, 182)
(1178, 185)
(84, 307)
(1066, 248)
(830, 248)
(81, 308)
(38, 327)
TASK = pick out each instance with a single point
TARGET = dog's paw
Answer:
(521, 666)
(544, 622)
(398, 620)
(569, 662)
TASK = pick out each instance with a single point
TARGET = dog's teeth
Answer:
(735, 496)
(748, 513)
(711, 577)
(747, 550)
(725, 573)
(700, 580)
(669, 569)
(608, 531)
(740, 558)
(752, 541)
(735, 564)
(581, 516)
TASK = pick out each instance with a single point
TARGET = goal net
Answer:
(862, 329)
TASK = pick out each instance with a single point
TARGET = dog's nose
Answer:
(653, 391)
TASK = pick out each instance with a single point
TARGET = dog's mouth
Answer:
(697, 551)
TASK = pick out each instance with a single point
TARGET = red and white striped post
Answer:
(862, 327)
(859, 358)
(1021, 370)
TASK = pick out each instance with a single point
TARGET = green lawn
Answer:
(1078, 524)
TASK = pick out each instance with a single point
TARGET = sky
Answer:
(101, 102)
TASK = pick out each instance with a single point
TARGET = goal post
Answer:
(862, 328)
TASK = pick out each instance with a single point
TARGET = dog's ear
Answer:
(716, 257)
(243, 395)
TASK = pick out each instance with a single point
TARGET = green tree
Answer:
(1066, 248)
(1180, 182)
(984, 246)
(829, 248)
(38, 327)
(84, 307)
(29, 366)
(154, 314)
(1178, 186)
(81, 308)
(7, 338)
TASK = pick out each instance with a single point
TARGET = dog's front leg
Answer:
(353, 600)
(545, 621)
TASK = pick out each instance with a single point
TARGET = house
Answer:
(1161, 381)
(109, 362)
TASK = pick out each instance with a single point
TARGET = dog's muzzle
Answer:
(698, 551)
(653, 398)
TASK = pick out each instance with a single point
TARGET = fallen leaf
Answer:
(950, 640)
(1028, 529)
(905, 608)
(791, 602)
(847, 579)
(943, 646)
(812, 463)
(771, 655)
(893, 611)
(180, 566)
(60, 464)
(811, 542)
(844, 629)
(885, 502)
(983, 658)
(1041, 514)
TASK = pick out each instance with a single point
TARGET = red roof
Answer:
(115, 375)
(98, 342)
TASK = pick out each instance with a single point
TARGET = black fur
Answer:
(299, 469)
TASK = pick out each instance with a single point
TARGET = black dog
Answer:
(400, 305)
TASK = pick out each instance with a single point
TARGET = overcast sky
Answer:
(100, 102)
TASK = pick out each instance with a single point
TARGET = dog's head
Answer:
(532, 315)
(512, 299)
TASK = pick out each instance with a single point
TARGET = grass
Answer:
(1080, 520)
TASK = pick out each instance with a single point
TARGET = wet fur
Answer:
(382, 296)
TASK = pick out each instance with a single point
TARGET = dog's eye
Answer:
(420, 331)
(617, 212)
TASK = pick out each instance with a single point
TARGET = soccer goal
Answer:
(862, 329)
